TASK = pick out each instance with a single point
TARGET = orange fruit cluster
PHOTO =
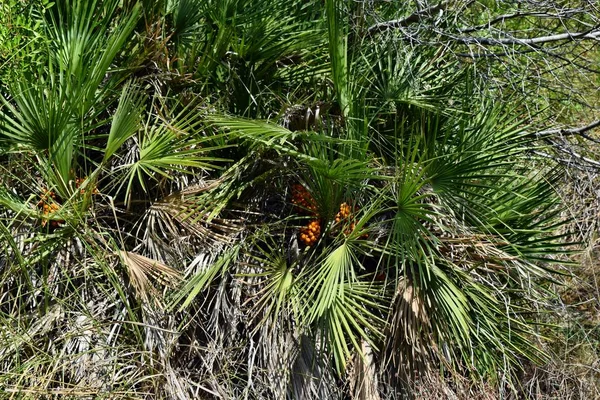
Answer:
(79, 182)
(48, 206)
(47, 195)
(310, 233)
(346, 215)
(303, 200)
(345, 212)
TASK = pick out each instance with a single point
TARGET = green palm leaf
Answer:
(126, 120)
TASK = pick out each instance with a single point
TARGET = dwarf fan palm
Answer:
(85, 151)
(401, 225)
(446, 222)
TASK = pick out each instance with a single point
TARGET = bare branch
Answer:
(505, 17)
(415, 17)
(572, 131)
(594, 35)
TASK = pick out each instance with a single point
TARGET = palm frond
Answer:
(262, 133)
(142, 270)
(126, 120)
(173, 143)
(199, 281)
(338, 53)
(276, 277)
(353, 317)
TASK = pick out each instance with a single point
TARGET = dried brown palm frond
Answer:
(362, 375)
(272, 357)
(476, 251)
(196, 221)
(194, 189)
(411, 348)
(311, 376)
(143, 270)
(174, 226)
(435, 387)
(86, 349)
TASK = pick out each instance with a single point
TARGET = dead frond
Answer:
(143, 271)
